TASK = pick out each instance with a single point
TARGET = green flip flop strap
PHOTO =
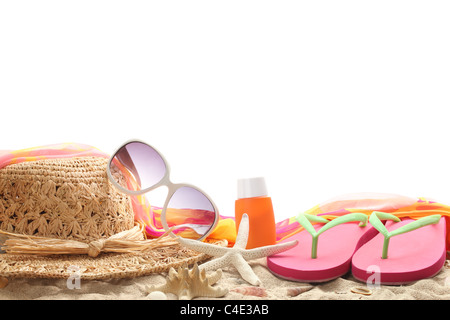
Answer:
(305, 221)
(377, 216)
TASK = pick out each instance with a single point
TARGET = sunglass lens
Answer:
(191, 212)
(140, 164)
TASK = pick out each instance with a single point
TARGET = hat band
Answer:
(127, 241)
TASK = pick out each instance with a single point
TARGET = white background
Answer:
(319, 97)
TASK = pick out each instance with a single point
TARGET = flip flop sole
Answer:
(412, 256)
(335, 249)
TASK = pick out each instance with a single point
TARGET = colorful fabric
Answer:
(397, 205)
(400, 206)
(63, 150)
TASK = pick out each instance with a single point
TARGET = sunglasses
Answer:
(187, 210)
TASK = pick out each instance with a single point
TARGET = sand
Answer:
(435, 288)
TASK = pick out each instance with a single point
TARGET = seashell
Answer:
(340, 292)
(188, 284)
(238, 281)
(295, 291)
(251, 291)
(157, 295)
(447, 282)
(361, 290)
(3, 282)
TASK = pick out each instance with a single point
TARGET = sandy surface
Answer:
(273, 288)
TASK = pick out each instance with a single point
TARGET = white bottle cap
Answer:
(252, 187)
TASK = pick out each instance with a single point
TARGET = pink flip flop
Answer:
(407, 257)
(322, 259)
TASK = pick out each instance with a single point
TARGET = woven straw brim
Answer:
(105, 266)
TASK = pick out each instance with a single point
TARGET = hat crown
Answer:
(67, 198)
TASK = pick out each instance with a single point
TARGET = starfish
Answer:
(237, 255)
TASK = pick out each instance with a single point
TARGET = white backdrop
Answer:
(319, 97)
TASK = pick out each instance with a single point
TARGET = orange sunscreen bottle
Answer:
(253, 200)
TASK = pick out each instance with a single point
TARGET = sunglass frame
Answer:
(165, 181)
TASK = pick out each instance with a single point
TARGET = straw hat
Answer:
(61, 215)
